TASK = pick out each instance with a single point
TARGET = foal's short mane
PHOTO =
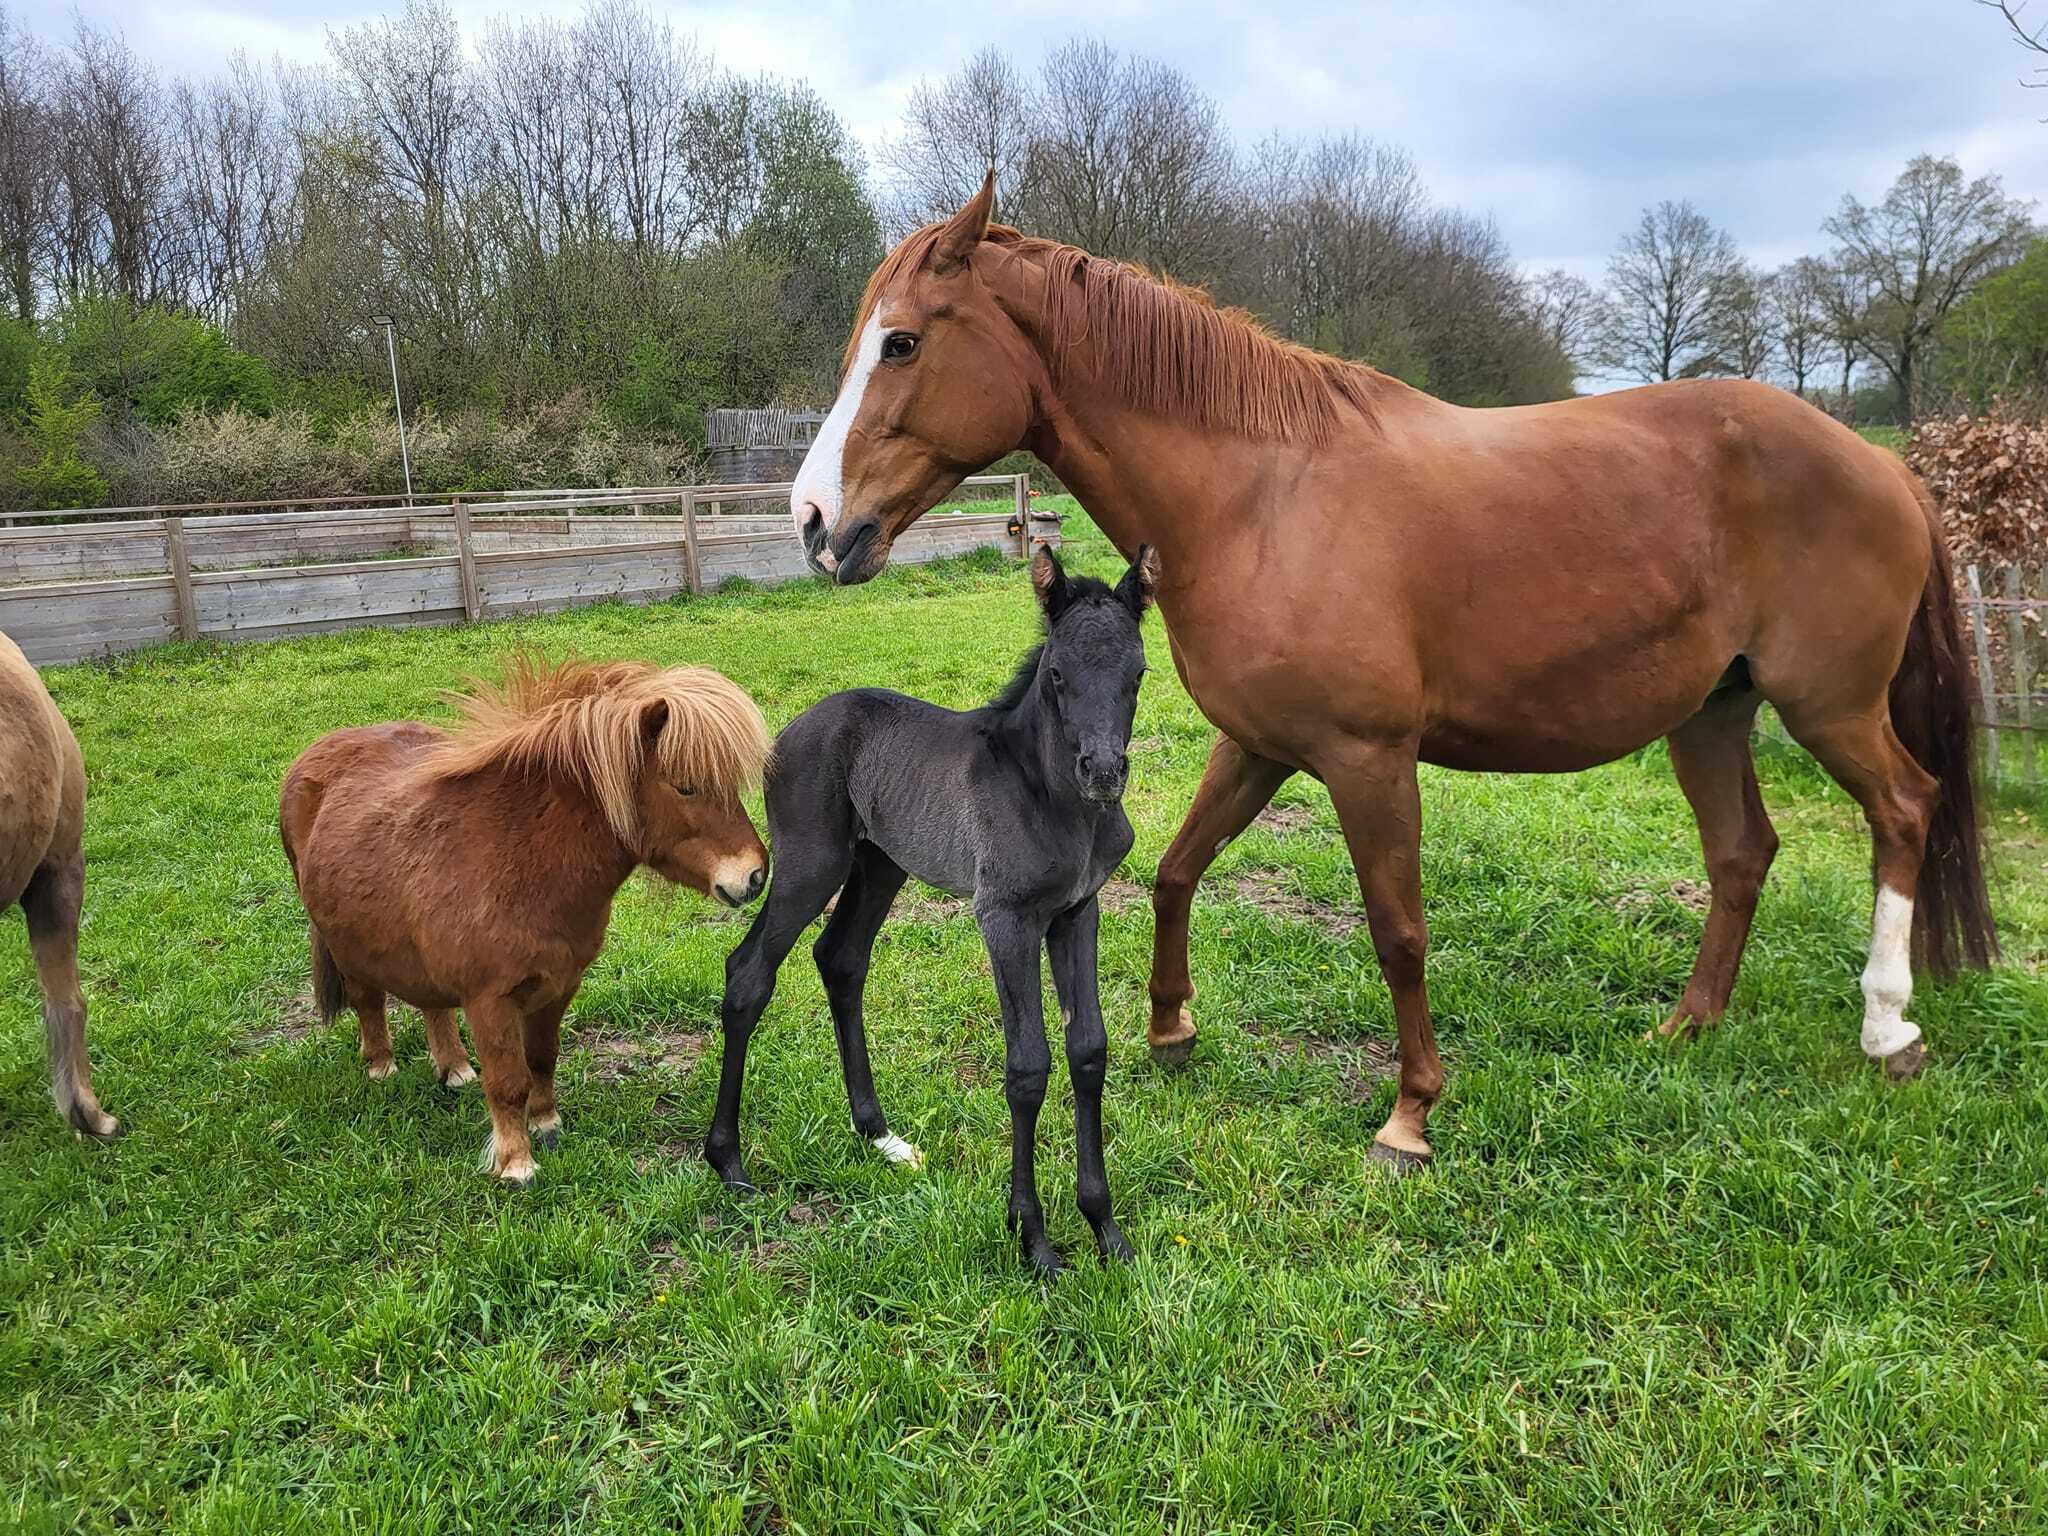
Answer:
(587, 723)
(1082, 589)
(1162, 346)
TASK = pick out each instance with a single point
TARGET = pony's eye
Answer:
(685, 789)
(898, 345)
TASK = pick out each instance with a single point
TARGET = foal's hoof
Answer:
(456, 1077)
(898, 1151)
(1399, 1160)
(1110, 1243)
(547, 1135)
(96, 1125)
(1906, 1061)
(1045, 1261)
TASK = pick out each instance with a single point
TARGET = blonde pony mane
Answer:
(1164, 347)
(586, 723)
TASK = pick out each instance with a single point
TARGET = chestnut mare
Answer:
(42, 866)
(1357, 577)
(476, 870)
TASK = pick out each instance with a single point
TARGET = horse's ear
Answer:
(1140, 582)
(1049, 581)
(965, 230)
(653, 718)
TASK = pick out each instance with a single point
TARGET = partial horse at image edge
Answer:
(1357, 578)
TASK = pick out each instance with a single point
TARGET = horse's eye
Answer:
(685, 789)
(898, 345)
(1056, 678)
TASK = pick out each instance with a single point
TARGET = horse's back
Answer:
(353, 761)
(43, 811)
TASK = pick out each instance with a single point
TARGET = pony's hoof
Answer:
(381, 1070)
(99, 1126)
(1906, 1062)
(519, 1174)
(456, 1077)
(546, 1136)
(1679, 1029)
(1174, 1043)
(1399, 1160)
(900, 1152)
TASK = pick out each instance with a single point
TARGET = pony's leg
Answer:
(444, 1044)
(1897, 795)
(375, 1030)
(543, 1035)
(51, 904)
(843, 952)
(1710, 754)
(1070, 944)
(1381, 811)
(804, 880)
(1235, 787)
(498, 1026)
(1014, 946)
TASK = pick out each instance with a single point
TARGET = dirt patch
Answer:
(1362, 1063)
(922, 904)
(670, 1265)
(764, 1255)
(1272, 893)
(668, 1154)
(295, 1020)
(1280, 820)
(615, 1056)
(818, 1212)
(1694, 895)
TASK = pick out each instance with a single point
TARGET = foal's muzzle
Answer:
(1103, 776)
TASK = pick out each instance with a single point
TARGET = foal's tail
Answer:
(330, 992)
(1933, 699)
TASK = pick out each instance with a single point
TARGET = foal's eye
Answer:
(1057, 680)
(898, 345)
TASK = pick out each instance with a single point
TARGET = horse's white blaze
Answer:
(899, 1151)
(819, 481)
(1888, 978)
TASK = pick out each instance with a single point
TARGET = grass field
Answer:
(1745, 1287)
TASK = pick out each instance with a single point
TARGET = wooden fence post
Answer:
(181, 578)
(1987, 680)
(1020, 491)
(693, 573)
(2022, 676)
(465, 563)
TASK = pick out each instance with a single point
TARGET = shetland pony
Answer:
(42, 866)
(1019, 805)
(476, 870)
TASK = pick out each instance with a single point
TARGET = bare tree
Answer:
(1799, 317)
(29, 162)
(2032, 38)
(1668, 280)
(1571, 312)
(1745, 329)
(1923, 247)
(953, 132)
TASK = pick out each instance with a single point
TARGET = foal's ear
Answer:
(1049, 581)
(964, 231)
(1140, 581)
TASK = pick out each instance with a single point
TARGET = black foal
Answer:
(1018, 804)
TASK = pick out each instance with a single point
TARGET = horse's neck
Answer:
(1033, 738)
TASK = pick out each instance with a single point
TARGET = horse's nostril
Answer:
(1087, 762)
(755, 881)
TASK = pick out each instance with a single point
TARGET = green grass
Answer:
(1893, 438)
(1744, 1287)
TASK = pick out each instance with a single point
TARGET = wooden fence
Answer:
(105, 585)
(2009, 645)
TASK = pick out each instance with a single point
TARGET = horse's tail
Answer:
(330, 991)
(1933, 700)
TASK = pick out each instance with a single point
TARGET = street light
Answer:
(391, 346)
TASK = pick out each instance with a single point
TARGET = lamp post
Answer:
(390, 325)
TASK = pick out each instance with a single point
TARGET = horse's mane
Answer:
(585, 723)
(1163, 346)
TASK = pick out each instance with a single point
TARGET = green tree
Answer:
(1995, 342)
(57, 476)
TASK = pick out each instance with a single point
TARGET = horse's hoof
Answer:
(1906, 1062)
(547, 1135)
(1178, 1046)
(1399, 1160)
(381, 1070)
(1112, 1245)
(456, 1077)
(898, 1151)
(520, 1174)
(1045, 1261)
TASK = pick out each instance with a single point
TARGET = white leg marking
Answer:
(1888, 978)
(820, 481)
(899, 1151)
(547, 1123)
(380, 1070)
(455, 1077)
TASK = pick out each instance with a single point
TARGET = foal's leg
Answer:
(1235, 787)
(805, 878)
(1710, 754)
(1070, 944)
(543, 1035)
(375, 1030)
(498, 1026)
(1898, 797)
(843, 951)
(444, 1044)
(51, 904)
(1013, 949)
(1381, 810)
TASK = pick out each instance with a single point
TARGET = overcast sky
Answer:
(1561, 119)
